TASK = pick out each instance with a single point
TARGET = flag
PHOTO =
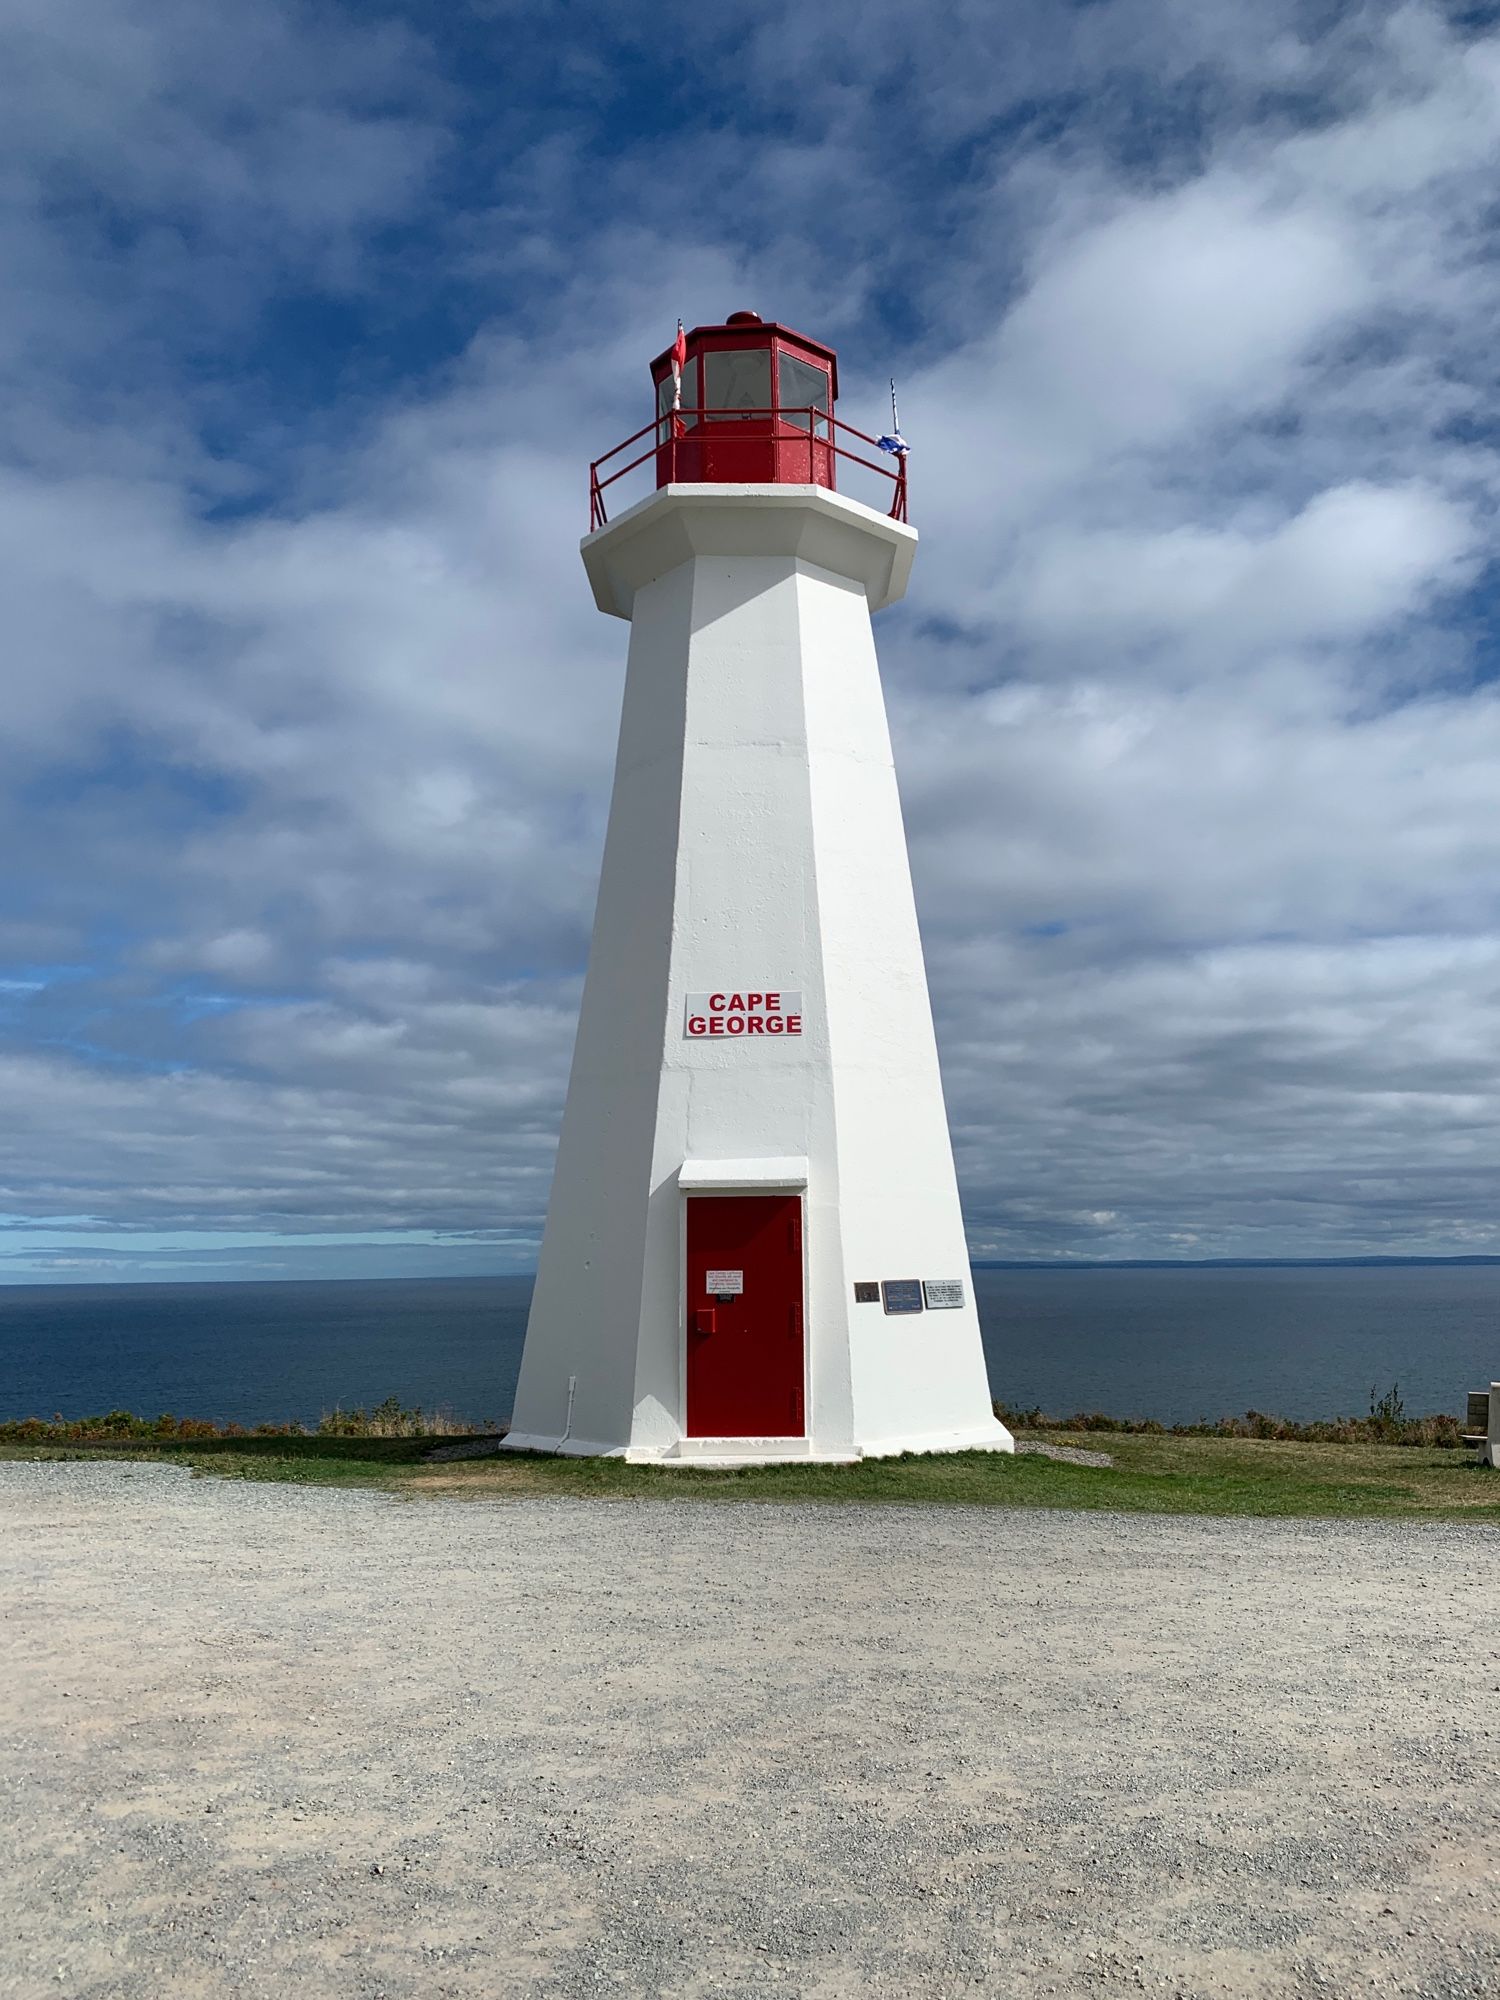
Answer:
(679, 362)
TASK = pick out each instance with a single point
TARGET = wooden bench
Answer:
(1482, 1425)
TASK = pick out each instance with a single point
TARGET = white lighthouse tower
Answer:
(754, 1249)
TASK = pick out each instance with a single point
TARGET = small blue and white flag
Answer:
(893, 440)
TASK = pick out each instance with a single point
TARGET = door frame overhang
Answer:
(786, 1173)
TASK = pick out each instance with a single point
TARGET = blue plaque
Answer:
(901, 1295)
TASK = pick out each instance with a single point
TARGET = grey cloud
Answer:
(303, 805)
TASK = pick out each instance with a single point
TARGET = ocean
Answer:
(1176, 1344)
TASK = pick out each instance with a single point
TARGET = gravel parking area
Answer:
(267, 1740)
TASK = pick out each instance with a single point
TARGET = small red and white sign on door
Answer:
(741, 1014)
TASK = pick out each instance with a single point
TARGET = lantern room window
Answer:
(737, 381)
(801, 388)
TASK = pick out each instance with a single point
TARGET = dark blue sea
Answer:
(1175, 1344)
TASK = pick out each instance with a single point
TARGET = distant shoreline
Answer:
(1227, 1263)
(116, 1280)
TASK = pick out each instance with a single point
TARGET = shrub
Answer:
(1387, 1423)
(390, 1420)
(386, 1420)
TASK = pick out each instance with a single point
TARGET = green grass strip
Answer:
(1151, 1474)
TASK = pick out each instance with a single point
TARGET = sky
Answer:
(316, 316)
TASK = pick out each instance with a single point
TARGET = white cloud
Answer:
(1173, 308)
(1355, 560)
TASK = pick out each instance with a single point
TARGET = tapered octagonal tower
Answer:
(754, 1248)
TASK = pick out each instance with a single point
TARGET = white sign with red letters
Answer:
(742, 1014)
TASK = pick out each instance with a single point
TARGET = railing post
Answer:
(898, 504)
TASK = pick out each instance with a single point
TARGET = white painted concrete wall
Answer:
(755, 841)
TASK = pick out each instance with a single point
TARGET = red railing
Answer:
(677, 441)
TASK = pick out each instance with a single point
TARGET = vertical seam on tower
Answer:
(829, 1196)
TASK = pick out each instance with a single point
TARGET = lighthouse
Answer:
(754, 1249)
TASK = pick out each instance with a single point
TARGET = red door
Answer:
(744, 1337)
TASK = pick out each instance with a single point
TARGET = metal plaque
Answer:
(901, 1295)
(866, 1292)
(725, 1284)
(943, 1294)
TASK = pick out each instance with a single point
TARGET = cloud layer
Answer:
(309, 718)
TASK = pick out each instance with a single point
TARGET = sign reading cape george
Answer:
(741, 1014)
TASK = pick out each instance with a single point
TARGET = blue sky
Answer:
(316, 317)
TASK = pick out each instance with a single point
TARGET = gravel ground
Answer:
(273, 1740)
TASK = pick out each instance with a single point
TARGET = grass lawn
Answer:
(1151, 1475)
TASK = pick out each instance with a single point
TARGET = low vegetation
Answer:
(385, 1420)
(1386, 1423)
(389, 1420)
(1375, 1467)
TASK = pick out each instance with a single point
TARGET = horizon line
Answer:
(1478, 1259)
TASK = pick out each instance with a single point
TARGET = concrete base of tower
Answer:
(561, 1447)
(728, 1452)
(725, 1453)
(992, 1436)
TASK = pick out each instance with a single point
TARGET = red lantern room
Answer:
(755, 409)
